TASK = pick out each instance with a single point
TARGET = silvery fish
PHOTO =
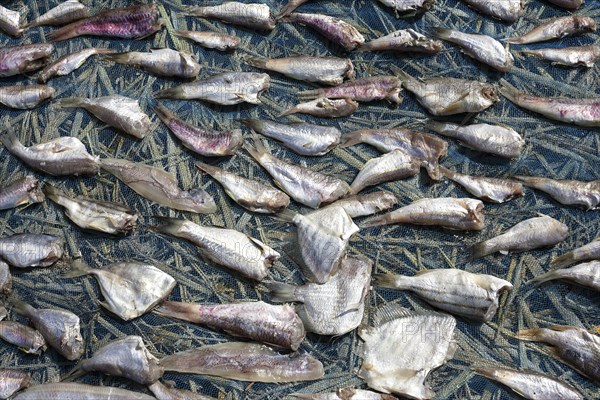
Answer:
(568, 192)
(69, 63)
(493, 139)
(417, 342)
(103, 216)
(120, 112)
(26, 250)
(395, 165)
(161, 62)
(424, 146)
(404, 40)
(462, 293)
(250, 194)
(556, 28)
(303, 138)
(568, 4)
(60, 328)
(333, 308)
(533, 233)
(127, 357)
(345, 394)
(168, 392)
(480, 47)
(574, 346)
(256, 320)
(530, 384)
(5, 282)
(590, 251)
(23, 59)
(25, 190)
(65, 12)
(79, 391)
(25, 338)
(324, 108)
(505, 10)
(334, 29)
(206, 142)
(361, 205)
(252, 15)
(409, 7)
(61, 156)
(447, 212)
(585, 56)
(11, 381)
(10, 22)
(25, 97)
(233, 249)
(129, 288)
(290, 7)
(227, 88)
(585, 274)
(325, 70)
(384, 87)
(449, 96)
(159, 186)
(302, 184)
(495, 190)
(243, 361)
(211, 40)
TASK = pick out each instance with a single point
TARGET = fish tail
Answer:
(285, 215)
(446, 172)
(20, 307)
(119, 58)
(433, 125)
(254, 124)
(352, 138)
(441, 33)
(11, 141)
(530, 335)
(310, 94)
(209, 169)
(403, 76)
(387, 281)
(70, 102)
(163, 113)
(78, 268)
(486, 372)
(64, 33)
(184, 34)
(257, 150)
(289, 111)
(564, 260)
(169, 93)
(74, 373)
(52, 192)
(377, 221)
(192, 11)
(479, 250)
(179, 310)
(258, 62)
(170, 226)
(514, 40)
(548, 276)
(509, 91)
(282, 292)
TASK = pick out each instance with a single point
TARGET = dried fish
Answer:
(159, 186)
(403, 347)
(447, 212)
(61, 156)
(384, 87)
(480, 47)
(590, 251)
(567, 192)
(557, 28)
(250, 194)
(395, 165)
(206, 142)
(403, 40)
(119, 112)
(25, 96)
(65, 12)
(164, 392)
(252, 15)
(24, 190)
(161, 62)
(449, 96)
(302, 184)
(79, 391)
(26, 250)
(568, 4)
(228, 88)
(134, 22)
(103, 216)
(530, 384)
(345, 394)
(494, 190)
(361, 205)
(5, 282)
(324, 108)
(533, 233)
(130, 288)
(585, 274)
(245, 362)
(333, 308)
(23, 59)
(334, 29)
(326, 70)
(60, 328)
(3, 313)
(409, 7)
(585, 56)
(574, 346)
(27, 339)
(69, 62)
(473, 296)
(11, 381)
(290, 7)
(211, 40)
(10, 22)
(505, 10)
(303, 138)
(493, 139)
(233, 249)
(127, 357)
(275, 325)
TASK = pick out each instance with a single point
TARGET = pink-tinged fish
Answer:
(65, 12)
(557, 28)
(384, 87)
(134, 22)
(23, 59)
(334, 29)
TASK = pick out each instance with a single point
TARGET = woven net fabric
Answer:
(552, 150)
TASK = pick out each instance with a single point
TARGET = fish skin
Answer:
(159, 186)
(584, 274)
(26, 250)
(472, 296)
(585, 56)
(79, 391)
(69, 63)
(494, 190)
(447, 212)
(227, 247)
(324, 108)
(25, 97)
(360, 205)
(206, 142)
(278, 326)
(395, 165)
(530, 234)
(556, 28)
(104, 216)
(5, 284)
(568, 4)
(65, 12)
(59, 157)
(409, 7)
(505, 10)
(403, 40)
(383, 87)
(243, 361)
(345, 394)
(161, 62)
(250, 194)
(335, 307)
(23, 59)
(252, 15)
(10, 22)
(568, 192)
(590, 251)
(11, 381)
(27, 339)
(24, 190)
(325, 70)
(334, 29)
(211, 40)
(165, 392)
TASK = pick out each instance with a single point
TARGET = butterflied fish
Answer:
(69, 63)
(167, 392)
(585, 56)
(403, 347)
(533, 233)
(159, 186)
(568, 4)
(567, 192)
(233, 249)
(409, 7)
(65, 12)
(384, 87)
(473, 296)
(10, 22)
(447, 212)
(25, 97)
(590, 251)
(333, 308)
(324, 108)
(5, 281)
(505, 10)
(129, 288)
(252, 15)
(303, 138)
(404, 40)
(25, 338)
(275, 325)
(11, 381)
(211, 40)
(250, 362)
(334, 29)
(557, 28)
(326, 70)
(345, 394)
(495, 190)
(585, 274)
(161, 62)
(361, 205)
(26, 250)
(127, 357)
(79, 391)
(395, 165)
(23, 59)
(25, 190)
(103, 216)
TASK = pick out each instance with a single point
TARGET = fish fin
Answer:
(440, 32)
(514, 40)
(70, 102)
(119, 58)
(247, 98)
(385, 280)
(564, 260)
(258, 62)
(163, 112)
(285, 215)
(191, 11)
(291, 110)
(548, 276)
(179, 310)
(562, 328)
(256, 149)
(282, 292)
(254, 124)
(169, 93)
(64, 33)
(11, 141)
(20, 307)
(169, 226)
(529, 335)
(391, 312)
(52, 192)
(78, 268)
(403, 76)
(74, 373)
(509, 91)
(310, 94)
(455, 106)
(479, 250)
(207, 168)
(354, 307)
(352, 138)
